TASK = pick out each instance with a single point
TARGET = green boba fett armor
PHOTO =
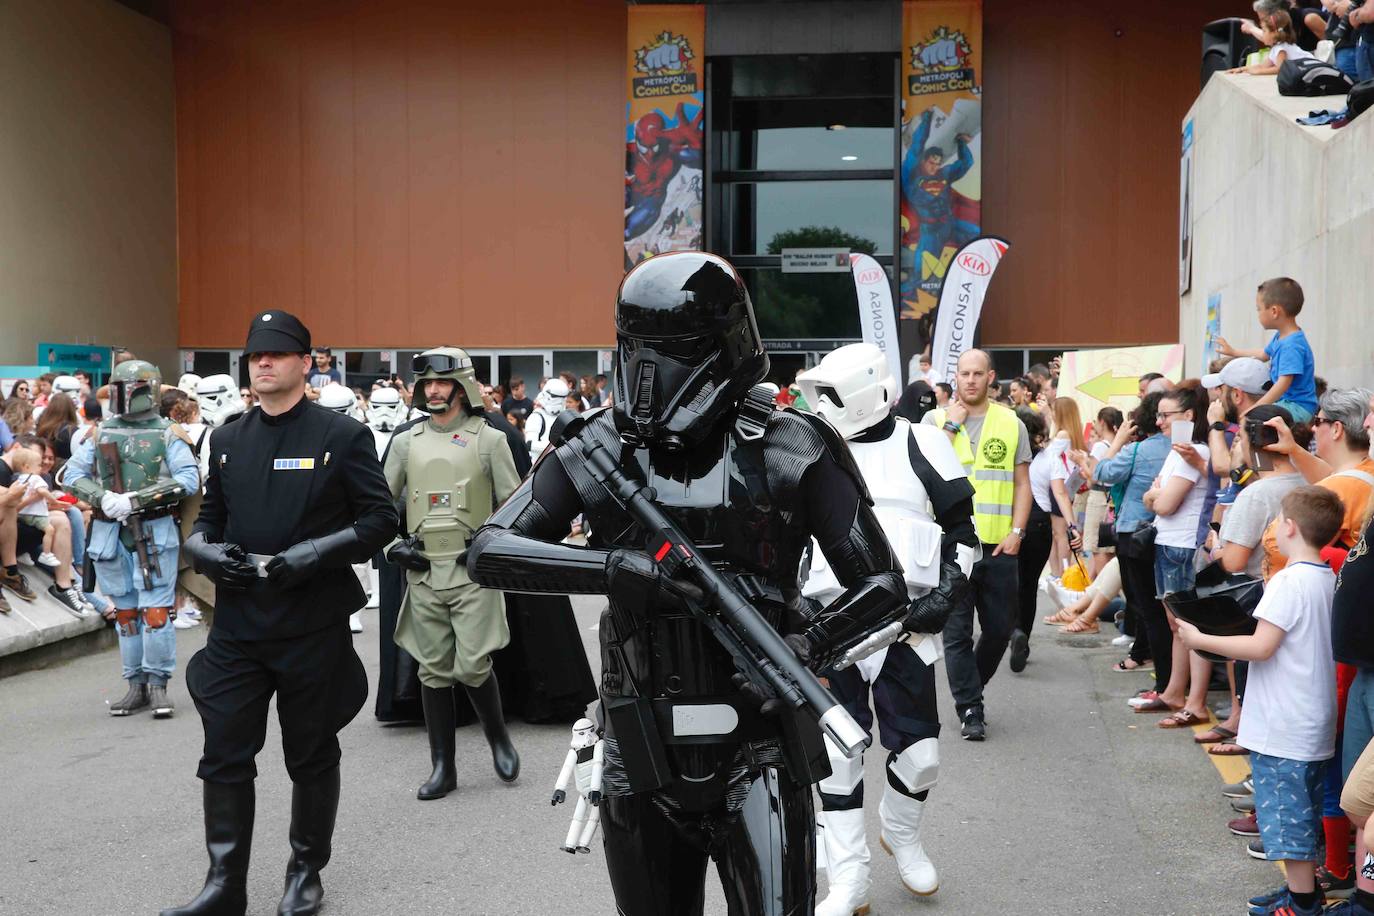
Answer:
(448, 494)
(142, 448)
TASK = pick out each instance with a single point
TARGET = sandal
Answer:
(1130, 664)
(1227, 749)
(1215, 735)
(1183, 718)
(1061, 616)
(1080, 625)
(1156, 705)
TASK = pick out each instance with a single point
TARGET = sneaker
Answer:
(69, 598)
(1255, 849)
(191, 611)
(1144, 698)
(1245, 825)
(1347, 908)
(185, 623)
(1243, 789)
(24, 559)
(1123, 640)
(4, 605)
(1020, 651)
(1243, 805)
(1334, 888)
(49, 560)
(16, 583)
(1284, 906)
(974, 728)
(1268, 898)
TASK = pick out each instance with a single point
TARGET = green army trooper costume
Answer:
(450, 470)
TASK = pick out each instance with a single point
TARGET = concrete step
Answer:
(31, 624)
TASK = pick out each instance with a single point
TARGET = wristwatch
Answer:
(1019, 532)
(1218, 427)
(952, 428)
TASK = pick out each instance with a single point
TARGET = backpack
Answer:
(1361, 97)
(1310, 76)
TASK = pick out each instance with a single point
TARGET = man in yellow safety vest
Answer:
(994, 448)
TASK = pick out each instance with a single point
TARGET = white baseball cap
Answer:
(1244, 372)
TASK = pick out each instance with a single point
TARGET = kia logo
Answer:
(872, 275)
(975, 264)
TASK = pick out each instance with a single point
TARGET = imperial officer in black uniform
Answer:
(294, 497)
(692, 767)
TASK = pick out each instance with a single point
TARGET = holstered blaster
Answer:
(109, 454)
(759, 652)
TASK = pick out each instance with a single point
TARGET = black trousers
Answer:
(1030, 560)
(320, 686)
(971, 666)
(1153, 638)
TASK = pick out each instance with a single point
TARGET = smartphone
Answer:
(1181, 432)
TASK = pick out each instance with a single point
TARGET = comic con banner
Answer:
(663, 129)
(942, 127)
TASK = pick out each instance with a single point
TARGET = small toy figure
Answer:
(582, 771)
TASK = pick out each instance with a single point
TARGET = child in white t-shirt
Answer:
(1289, 724)
(33, 507)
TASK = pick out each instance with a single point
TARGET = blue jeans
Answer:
(79, 558)
(149, 655)
(1359, 720)
(1174, 569)
(1364, 58)
(1346, 63)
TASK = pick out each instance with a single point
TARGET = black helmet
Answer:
(688, 348)
(1219, 604)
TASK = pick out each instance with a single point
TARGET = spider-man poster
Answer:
(664, 130)
(942, 129)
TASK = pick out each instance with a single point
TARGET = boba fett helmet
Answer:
(448, 363)
(135, 389)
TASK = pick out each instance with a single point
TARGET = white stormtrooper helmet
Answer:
(386, 410)
(69, 385)
(188, 383)
(852, 387)
(338, 398)
(553, 397)
(583, 733)
(219, 400)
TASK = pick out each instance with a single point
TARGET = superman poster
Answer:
(942, 128)
(663, 129)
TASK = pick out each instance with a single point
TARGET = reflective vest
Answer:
(992, 470)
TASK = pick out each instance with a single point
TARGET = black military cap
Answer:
(276, 331)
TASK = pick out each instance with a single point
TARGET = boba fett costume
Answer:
(450, 476)
(156, 470)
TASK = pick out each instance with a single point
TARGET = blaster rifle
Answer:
(758, 651)
(109, 454)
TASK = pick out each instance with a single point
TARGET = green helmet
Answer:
(446, 363)
(135, 389)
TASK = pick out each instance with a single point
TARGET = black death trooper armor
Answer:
(924, 502)
(695, 768)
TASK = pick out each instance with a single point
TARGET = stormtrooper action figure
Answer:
(924, 503)
(582, 770)
(157, 471)
(548, 404)
(694, 766)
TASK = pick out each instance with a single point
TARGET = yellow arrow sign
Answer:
(1106, 386)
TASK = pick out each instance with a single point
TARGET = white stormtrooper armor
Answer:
(582, 770)
(188, 383)
(337, 398)
(854, 390)
(219, 400)
(69, 385)
(386, 410)
(548, 404)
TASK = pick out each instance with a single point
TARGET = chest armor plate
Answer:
(448, 495)
(142, 450)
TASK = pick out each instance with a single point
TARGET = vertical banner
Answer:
(942, 126)
(876, 315)
(1211, 333)
(664, 129)
(1185, 211)
(961, 302)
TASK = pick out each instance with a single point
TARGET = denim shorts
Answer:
(1288, 804)
(1175, 568)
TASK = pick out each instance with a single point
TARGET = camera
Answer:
(1341, 30)
(1260, 435)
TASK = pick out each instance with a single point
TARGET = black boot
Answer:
(487, 701)
(313, 806)
(440, 723)
(228, 838)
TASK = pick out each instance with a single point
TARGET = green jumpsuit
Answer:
(451, 478)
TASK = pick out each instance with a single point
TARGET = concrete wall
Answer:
(87, 180)
(1272, 198)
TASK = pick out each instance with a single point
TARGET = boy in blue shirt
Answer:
(1292, 375)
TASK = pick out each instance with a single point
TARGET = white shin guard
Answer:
(846, 851)
(901, 838)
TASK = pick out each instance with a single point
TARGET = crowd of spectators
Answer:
(1293, 30)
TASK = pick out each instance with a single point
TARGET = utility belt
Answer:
(712, 720)
(148, 516)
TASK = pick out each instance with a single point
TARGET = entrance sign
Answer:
(877, 318)
(961, 302)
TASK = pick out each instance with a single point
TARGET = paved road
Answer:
(1074, 805)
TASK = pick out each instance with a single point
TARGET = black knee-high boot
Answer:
(229, 809)
(314, 805)
(486, 699)
(439, 723)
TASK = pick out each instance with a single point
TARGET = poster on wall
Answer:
(664, 124)
(1185, 211)
(1212, 333)
(942, 128)
(1098, 378)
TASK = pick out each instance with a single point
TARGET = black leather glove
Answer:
(559, 796)
(406, 554)
(636, 580)
(594, 798)
(766, 702)
(226, 565)
(300, 562)
(931, 611)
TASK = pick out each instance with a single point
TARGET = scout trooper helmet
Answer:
(219, 400)
(386, 410)
(852, 387)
